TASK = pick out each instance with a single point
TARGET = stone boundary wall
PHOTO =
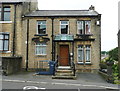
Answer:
(11, 65)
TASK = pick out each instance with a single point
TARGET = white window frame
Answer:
(78, 53)
(41, 45)
(84, 26)
(64, 24)
(42, 24)
(86, 55)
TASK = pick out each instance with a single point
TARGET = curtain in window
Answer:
(88, 54)
(40, 49)
(80, 27)
(80, 54)
(87, 27)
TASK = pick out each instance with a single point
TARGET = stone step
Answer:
(63, 77)
(64, 74)
(64, 67)
(63, 71)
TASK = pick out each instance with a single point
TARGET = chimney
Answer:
(92, 8)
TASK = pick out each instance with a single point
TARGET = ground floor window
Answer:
(4, 41)
(84, 54)
(40, 49)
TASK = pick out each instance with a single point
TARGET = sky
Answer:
(109, 18)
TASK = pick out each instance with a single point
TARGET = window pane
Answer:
(80, 55)
(40, 48)
(64, 29)
(5, 44)
(6, 37)
(0, 15)
(41, 27)
(6, 16)
(44, 50)
(80, 27)
(87, 55)
(1, 44)
(64, 22)
(87, 27)
(7, 9)
(1, 36)
(41, 22)
(37, 50)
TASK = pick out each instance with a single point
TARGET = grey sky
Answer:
(108, 9)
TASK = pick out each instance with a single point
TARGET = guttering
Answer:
(10, 2)
(14, 31)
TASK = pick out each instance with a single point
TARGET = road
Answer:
(48, 85)
(83, 81)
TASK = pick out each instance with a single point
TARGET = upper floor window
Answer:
(64, 27)
(83, 27)
(41, 27)
(4, 41)
(5, 13)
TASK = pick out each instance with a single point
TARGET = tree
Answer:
(113, 54)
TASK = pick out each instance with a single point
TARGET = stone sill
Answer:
(5, 22)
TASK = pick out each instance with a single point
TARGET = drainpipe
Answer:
(14, 31)
(27, 47)
(27, 42)
(53, 55)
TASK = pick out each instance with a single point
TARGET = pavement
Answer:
(83, 79)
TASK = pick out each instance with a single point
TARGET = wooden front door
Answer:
(64, 55)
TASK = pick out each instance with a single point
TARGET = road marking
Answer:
(32, 82)
(13, 80)
(90, 85)
(55, 83)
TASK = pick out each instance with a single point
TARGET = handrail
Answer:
(56, 64)
(73, 67)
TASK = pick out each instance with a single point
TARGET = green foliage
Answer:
(113, 54)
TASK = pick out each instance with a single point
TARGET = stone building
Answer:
(71, 38)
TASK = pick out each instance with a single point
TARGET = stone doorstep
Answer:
(64, 74)
(64, 71)
(64, 77)
(64, 67)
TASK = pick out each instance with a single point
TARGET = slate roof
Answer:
(50, 13)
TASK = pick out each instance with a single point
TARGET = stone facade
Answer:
(26, 28)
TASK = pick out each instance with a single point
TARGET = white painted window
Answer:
(64, 27)
(41, 27)
(80, 54)
(88, 53)
(40, 49)
(84, 54)
(80, 25)
(84, 27)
